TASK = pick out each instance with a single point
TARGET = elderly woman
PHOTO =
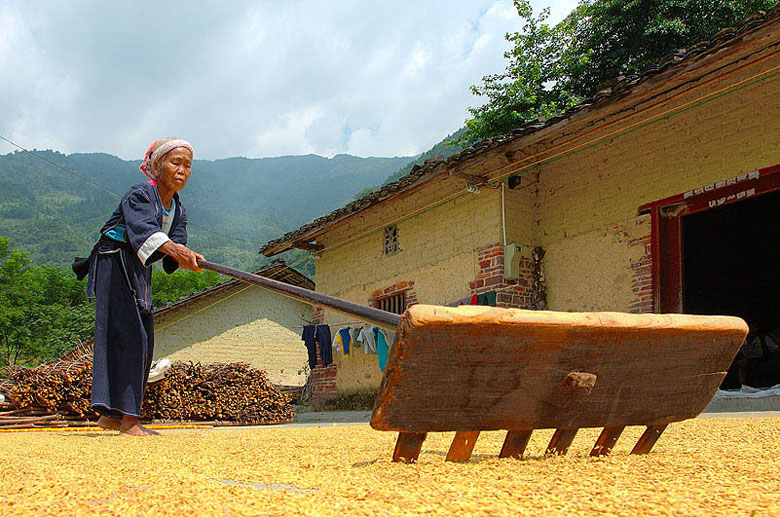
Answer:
(149, 224)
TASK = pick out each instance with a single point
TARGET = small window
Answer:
(395, 304)
(391, 240)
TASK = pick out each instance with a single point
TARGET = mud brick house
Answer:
(659, 194)
(234, 322)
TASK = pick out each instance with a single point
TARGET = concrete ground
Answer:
(333, 417)
(743, 414)
(341, 418)
(744, 404)
(725, 408)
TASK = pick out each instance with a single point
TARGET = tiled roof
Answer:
(608, 91)
(277, 270)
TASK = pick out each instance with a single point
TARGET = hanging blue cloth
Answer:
(346, 339)
(325, 343)
(314, 335)
(310, 341)
(381, 348)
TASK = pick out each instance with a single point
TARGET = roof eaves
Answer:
(277, 270)
(608, 91)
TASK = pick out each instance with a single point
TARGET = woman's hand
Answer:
(186, 258)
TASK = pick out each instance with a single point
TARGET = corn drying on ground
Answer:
(717, 466)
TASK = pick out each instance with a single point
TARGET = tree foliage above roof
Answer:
(553, 67)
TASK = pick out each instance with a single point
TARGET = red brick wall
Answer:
(323, 386)
(322, 380)
(406, 288)
(518, 293)
(642, 276)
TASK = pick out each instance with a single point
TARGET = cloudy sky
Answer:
(255, 79)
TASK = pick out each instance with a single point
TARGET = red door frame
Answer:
(666, 220)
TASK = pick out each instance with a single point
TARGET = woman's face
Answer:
(175, 168)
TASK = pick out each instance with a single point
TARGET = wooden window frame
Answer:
(666, 227)
(395, 303)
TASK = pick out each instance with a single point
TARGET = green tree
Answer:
(551, 68)
(169, 288)
(43, 310)
(618, 37)
(530, 86)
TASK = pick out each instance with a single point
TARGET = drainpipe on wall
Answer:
(503, 214)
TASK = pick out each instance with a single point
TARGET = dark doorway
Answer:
(731, 266)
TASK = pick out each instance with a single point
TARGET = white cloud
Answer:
(289, 134)
(246, 78)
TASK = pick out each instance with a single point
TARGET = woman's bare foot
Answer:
(149, 431)
(109, 424)
(131, 427)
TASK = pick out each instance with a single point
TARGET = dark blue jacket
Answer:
(141, 213)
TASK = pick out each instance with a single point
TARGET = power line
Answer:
(85, 178)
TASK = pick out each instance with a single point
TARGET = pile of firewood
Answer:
(58, 394)
(59, 388)
(223, 392)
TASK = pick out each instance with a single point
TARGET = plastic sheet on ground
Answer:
(157, 373)
(748, 392)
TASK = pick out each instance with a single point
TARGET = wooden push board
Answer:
(476, 368)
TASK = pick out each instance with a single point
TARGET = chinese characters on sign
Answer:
(739, 195)
(725, 183)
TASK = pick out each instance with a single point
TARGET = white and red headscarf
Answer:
(157, 151)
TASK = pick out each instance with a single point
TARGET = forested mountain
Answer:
(235, 205)
(446, 148)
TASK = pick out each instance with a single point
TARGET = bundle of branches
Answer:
(47, 395)
(57, 387)
(61, 391)
(227, 392)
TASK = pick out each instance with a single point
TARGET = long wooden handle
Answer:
(378, 317)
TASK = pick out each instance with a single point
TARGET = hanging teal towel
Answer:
(381, 348)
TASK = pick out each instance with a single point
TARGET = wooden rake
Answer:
(471, 369)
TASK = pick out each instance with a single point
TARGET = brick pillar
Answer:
(539, 284)
(322, 380)
(636, 235)
(642, 276)
(518, 293)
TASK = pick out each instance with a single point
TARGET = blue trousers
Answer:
(318, 334)
(124, 339)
